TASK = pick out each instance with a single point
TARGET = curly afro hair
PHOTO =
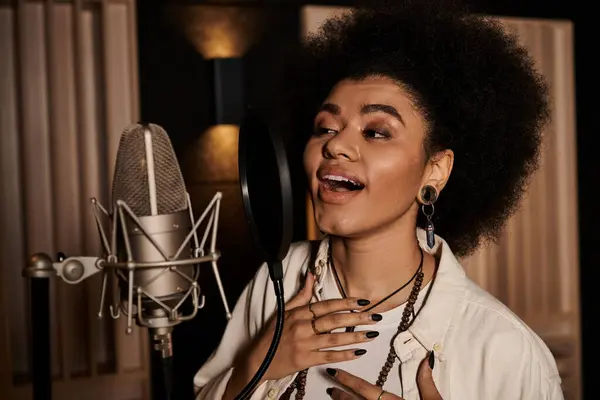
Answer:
(475, 85)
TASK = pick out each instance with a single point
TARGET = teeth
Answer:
(340, 179)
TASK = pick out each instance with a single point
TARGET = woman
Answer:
(426, 125)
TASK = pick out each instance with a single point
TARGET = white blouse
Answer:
(482, 349)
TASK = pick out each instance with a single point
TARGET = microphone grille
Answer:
(130, 181)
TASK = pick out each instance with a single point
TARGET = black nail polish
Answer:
(363, 302)
(329, 391)
(376, 317)
(431, 360)
(331, 371)
(360, 352)
(372, 334)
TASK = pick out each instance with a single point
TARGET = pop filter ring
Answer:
(275, 245)
(274, 251)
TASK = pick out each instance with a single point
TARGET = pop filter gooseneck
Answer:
(267, 195)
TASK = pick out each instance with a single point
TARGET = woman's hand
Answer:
(301, 345)
(361, 389)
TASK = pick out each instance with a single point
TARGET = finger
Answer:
(304, 295)
(425, 381)
(326, 307)
(338, 394)
(358, 385)
(333, 356)
(340, 339)
(329, 322)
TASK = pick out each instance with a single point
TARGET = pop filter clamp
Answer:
(267, 195)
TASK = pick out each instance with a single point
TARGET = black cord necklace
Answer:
(343, 292)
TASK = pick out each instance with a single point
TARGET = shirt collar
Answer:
(433, 321)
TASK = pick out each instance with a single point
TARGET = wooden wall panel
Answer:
(68, 87)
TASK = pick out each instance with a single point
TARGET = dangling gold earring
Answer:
(429, 195)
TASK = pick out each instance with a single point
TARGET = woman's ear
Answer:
(438, 169)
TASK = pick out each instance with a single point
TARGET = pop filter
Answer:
(266, 189)
(267, 195)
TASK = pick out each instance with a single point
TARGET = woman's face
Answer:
(366, 161)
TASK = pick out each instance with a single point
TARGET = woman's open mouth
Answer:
(338, 183)
(338, 187)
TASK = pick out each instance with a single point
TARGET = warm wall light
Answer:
(219, 31)
(213, 157)
(222, 35)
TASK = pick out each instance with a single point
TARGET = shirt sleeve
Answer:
(525, 368)
(212, 378)
(555, 391)
(495, 356)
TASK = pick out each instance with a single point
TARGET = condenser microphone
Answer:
(156, 232)
(147, 179)
(151, 247)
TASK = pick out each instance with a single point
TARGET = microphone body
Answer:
(168, 232)
(162, 286)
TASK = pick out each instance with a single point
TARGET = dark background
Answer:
(176, 92)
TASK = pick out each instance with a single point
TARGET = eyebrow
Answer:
(366, 109)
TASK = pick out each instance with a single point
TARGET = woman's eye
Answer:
(325, 131)
(375, 134)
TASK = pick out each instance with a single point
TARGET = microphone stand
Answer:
(161, 361)
(39, 271)
(162, 375)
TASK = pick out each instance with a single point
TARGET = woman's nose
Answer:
(342, 145)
